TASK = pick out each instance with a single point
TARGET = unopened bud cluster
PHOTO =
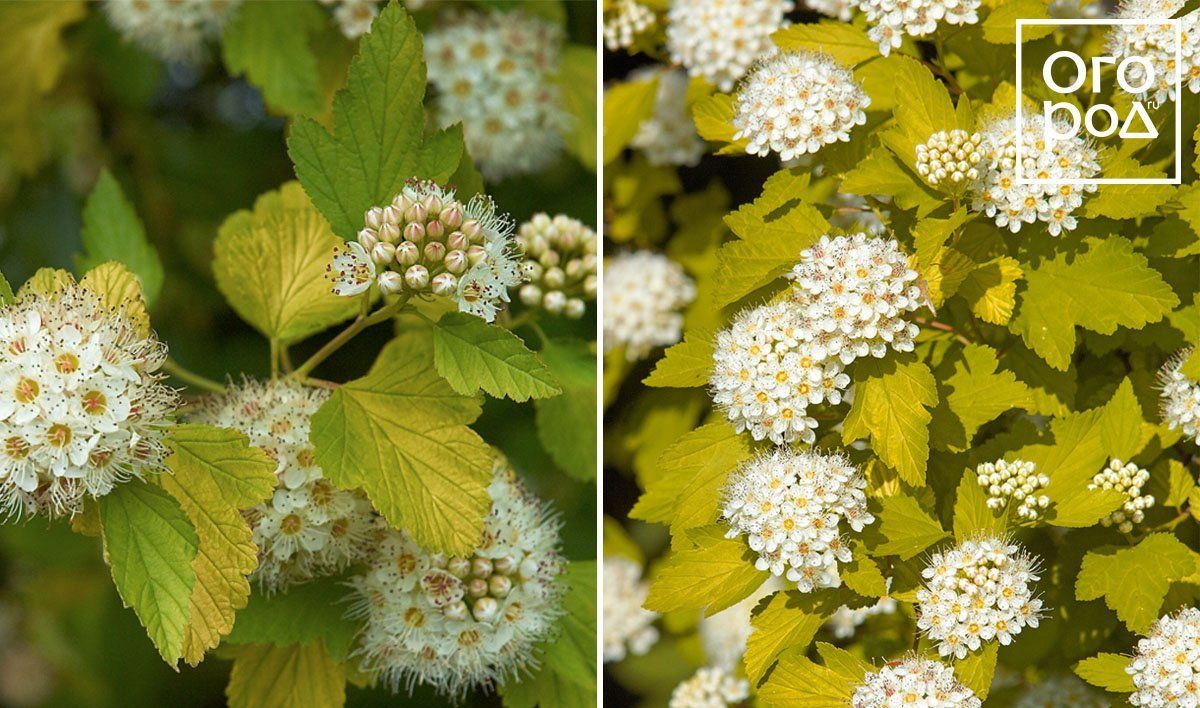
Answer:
(710, 687)
(1166, 665)
(560, 264)
(913, 681)
(1018, 480)
(428, 243)
(1179, 397)
(625, 22)
(1127, 479)
(979, 591)
(950, 160)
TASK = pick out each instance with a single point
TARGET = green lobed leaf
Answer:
(798, 681)
(991, 289)
(883, 174)
(567, 423)
(577, 80)
(1134, 581)
(979, 393)
(6, 291)
(788, 621)
(1000, 26)
(971, 513)
(890, 405)
(269, 44)
(472, 354)
(843, 662)
(626, 105)
(713, 116)
(400, 433)
(717, 573)
(570, 657)
(841, 40)
(978, 668)
(1106, 671)
(302, 676)
(686, 364)
(112, 231)
(906, 529)
(306, 613)
(150, 545)
(923, 107)
(1180, 484)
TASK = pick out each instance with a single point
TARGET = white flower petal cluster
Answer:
(494, 73)
(710, 687)
(463, 622)
(1157, 43)
(997, 194)
(915, 681)
(172, 31)
(1179, 397)
(560, 264)
(427, 242)
(81, 405)
(855, 291)
(724, 634)
(795, 103)
(354, 17)
(840, 9)
(890, 20)
(950, 160)
(720, 39)
(1075, 10)
(628, 627)
(979, 591)
(1166, 665)
(1018, 480)
(790, 506)
(845, 620)
(668, 137)
(309, 528)
(1128, 479)
(1063, 690)
(765, 376)
(644, 297)
(626, 20)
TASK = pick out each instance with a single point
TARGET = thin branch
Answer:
(359, 324)
(191, 378)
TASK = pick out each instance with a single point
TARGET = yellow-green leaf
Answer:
(971, 512)
(119, 289)
(300, 676)
(472, 354)
(1000, 26)
(1133, 581)
(717, 573)
(567, 423)
(840, 40)
(685, 364)
(577, 81)
(991, 289)
(906, 529)
(788, 621)
(891, 401)
(112, 231)
(1107, 671)
(798, 681)
(978, 668)
(626, 105)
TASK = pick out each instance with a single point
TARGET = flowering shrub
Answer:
(921, 433)
(317, 394)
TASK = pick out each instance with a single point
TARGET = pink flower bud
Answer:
(472, 230)
(458, 566)
(391, 215)
(451, 217)
(456, 610)
(383, 253)
(457, 241)
(434, 229)
(415, 232)
(367, 238)
(407, 253)
(456, 262)
(444, 284)
(550, 258)
(485, 609)
(390, 282)
(475, 254)
(481, 567)
(390, 233)
(435, 251)
(499, 586)
(417, 277)
(477, 587)
(401, 202)
(374, 218)
(417, 213)
(432, 204)
(574, 268)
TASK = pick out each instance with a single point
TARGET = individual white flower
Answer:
(845, 620)
(914, 681)
(710, 687)
(428, 242)
(765, 376)
(725, 633)
(838, 9)
(82, 408)
(628, 627)
(668, 137)
(855, 292)
(1158, 44)
(1179, 397)
(978, 591)
(354, 17)
(560, 264)
(644, 295)
(494, 73)
(1062, 690)
(1128, 479)
(1017, 480)
(463, 622)
(720, 39)
(790, 506)
(626, 20)
(996, 192)
(309, 528)
(890, 20)
(950, 160)
(1166, 665)
(795, 103)
(173, 31)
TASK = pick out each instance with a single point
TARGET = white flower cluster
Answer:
(628, 627)
(463, 622)
(710, 687)
(915, 681)
(354, 17)
(625, 22)
(890, 20)
(724, 635)
(845, 620)
(1179, 397)
(1166, 665)
(840, 9)
(1157, 44)
(765, 376)
(644, 295)
(668, 137)
(1004, 481)
(855, 291)
(721, 39)
(1063, 690)
(81, 405)
(560, 264)
(950, 161)
(790, 507)
(494, 74)
(172, 31)
(975, 592)
(1075, 10)
(428, 242)
(309, 528)
(795, 103)
(1127, 479)
(997, 194)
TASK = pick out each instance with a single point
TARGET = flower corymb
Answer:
(81, 405)
(1166, 665)
(1179, 397)
(560, 264)
(628, 627)
(644, 295)
(915, 681)
(891, 20)
(720, 39)
(710, 687)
